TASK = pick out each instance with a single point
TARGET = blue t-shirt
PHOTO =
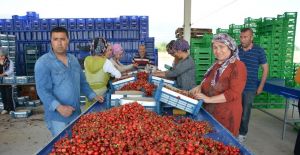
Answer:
(252, 59)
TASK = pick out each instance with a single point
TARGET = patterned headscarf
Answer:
(181, 44)
(230, 43)
(99, 45)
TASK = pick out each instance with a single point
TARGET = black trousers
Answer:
(297, 145)
(6, 93)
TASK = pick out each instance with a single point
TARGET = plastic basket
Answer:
(157, 80)
(119, 84)
(113, 98)
(147, 102)
(177, 100)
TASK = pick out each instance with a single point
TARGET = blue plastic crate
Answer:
(35, 24)
(72, 24)
(124, 20)
(80, 22)
(32, 15)
(119, 84)
(44, 24)
(90, 25)
(144, 34)
(26, 25)
(90, 34)
(99, 24)
(53, 23)
(109, 23)
(113, 98)
(46, 35)
(144, 20)
(117, 24)
(177, 100)
(108, 34)
(148, 103)
(134, 22)
(9, 80)
(63, 22)
(2, 25)
(79, 35)
(158, 80)
(18, 24)
(8, 24)
(21, 79)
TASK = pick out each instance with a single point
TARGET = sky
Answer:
(165, 16)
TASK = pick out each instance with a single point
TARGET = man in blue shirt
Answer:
(253, 56)
(59, 81)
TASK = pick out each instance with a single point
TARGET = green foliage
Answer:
(161, 46)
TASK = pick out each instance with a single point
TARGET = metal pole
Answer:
(187, 20)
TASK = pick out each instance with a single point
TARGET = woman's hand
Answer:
(200, 96)
(195, 90)
(159, 74)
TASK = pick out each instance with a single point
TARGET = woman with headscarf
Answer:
(117, 55)
(223, 84)
(6, 69)
(171, 51)
(184, 72)
(98, 67)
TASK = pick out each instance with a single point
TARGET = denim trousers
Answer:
(247, 101)
(56, 127)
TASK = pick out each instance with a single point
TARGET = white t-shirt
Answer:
(108, 67)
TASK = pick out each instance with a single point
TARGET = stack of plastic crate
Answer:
(31, 55)
(220, 30)
(202, 54)
(254, 24)
(234, 31)
(289, 32)
(129, 31)
(277, 36)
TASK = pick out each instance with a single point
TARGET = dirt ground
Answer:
(23, 135)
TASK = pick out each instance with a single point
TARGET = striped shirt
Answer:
(252, 58)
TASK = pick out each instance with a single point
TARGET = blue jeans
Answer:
(56, 127)
(247, 101)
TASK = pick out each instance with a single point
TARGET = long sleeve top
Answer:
(184, 72)
(58, 84)
(110, 68)
(231, 83)
(122, 68)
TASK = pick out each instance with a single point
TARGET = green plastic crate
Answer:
(290, 15)
(219, 30)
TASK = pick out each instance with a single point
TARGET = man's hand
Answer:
(99, 98)
(259, 90)
(135, 65)
(65, 110)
